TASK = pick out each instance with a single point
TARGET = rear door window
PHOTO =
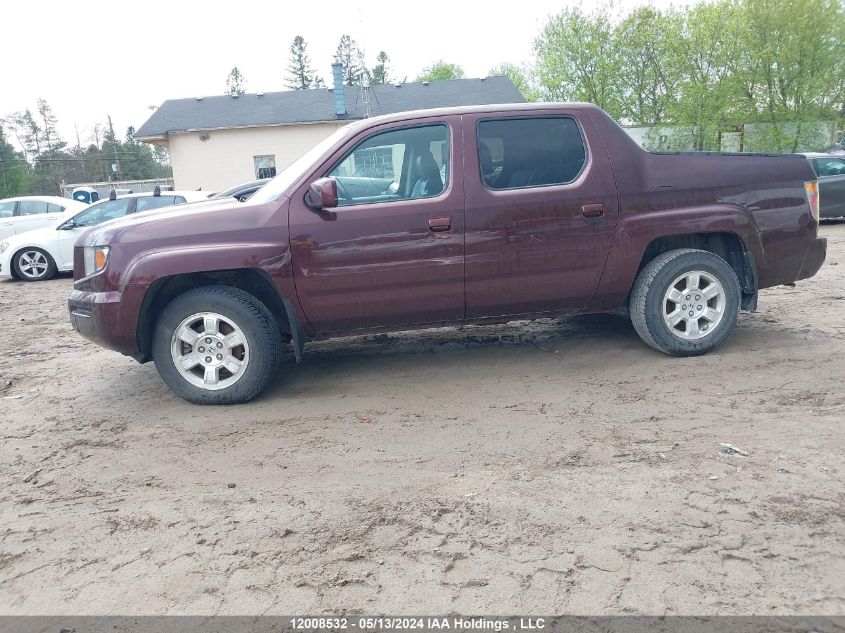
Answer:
(7, 209)
(32, 207)
(530, 152)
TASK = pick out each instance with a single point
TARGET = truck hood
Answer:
(182, 224)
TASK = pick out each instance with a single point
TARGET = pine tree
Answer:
(49, 132)
(351, 58)
(379, 72)
(235, 83)
(300, 73)
(12, 172)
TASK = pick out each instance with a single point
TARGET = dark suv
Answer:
(475, 214)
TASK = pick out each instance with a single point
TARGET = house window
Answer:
(265, 166)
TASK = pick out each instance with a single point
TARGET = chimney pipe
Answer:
(339, 98)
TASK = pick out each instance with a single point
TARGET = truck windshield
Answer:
(278, 185)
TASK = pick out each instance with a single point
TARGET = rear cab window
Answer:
(530, 152)
(398, 164)
(832, 166)
(147, 203)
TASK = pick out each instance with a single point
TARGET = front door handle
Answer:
(592, 210)
(440, 225)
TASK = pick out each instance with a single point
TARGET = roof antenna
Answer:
(157, 191)
(112, 195)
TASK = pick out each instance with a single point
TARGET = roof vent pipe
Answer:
(339, 98)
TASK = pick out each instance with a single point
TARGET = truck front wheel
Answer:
(685, 302)
(216, 345)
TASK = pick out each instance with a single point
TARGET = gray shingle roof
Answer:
(310, 106)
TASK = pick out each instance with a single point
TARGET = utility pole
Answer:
(114, 147)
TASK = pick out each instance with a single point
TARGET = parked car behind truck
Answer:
(830, 170)
(25, 213)
(477, 214)
(37, 255)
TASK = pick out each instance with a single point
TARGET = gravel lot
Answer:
(558, 466)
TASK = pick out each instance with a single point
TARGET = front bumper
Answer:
(813, 258)
(6, 265)
(96, 316)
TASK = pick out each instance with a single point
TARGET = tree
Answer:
(578, 60)
(379, 73)
(300, 73)
(650, 71)
(441, 70)
(706, 99)
(52, 139)
(12, 172)
(790, 70)
(235, 83)
(521, 78)
(351, 58)
(26, 131)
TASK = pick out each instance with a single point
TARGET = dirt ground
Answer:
(558, 466)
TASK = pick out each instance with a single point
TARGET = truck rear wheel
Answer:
(685, 302)
(216, 345)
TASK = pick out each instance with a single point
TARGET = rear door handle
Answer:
(592, 210)
(440, 225)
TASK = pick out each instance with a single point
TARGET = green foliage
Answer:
(379, 73)
(12, 172)
(46, 162)
(300, 73)
(647, 42)
(235, 82)
(521, 78)
(441, 70)
(705, 69)
(578, 60)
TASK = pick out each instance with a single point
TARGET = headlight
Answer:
(96, 258)
(3, 247)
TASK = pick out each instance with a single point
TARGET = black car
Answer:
(830, 170)
(242, 191)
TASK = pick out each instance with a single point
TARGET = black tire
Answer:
(255, 322)
(48, 273)
(647, 303)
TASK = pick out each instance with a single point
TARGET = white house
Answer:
(216, 142)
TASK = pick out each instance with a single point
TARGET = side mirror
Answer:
(67, 226)
(322, 194)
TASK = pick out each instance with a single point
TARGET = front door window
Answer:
(397, 165)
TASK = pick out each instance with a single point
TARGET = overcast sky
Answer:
(90, 58)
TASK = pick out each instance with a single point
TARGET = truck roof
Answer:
(477, 109)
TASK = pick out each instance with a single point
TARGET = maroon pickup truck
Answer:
(476, 214)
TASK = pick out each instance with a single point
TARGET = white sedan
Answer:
(38, 255)
(25, 213)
